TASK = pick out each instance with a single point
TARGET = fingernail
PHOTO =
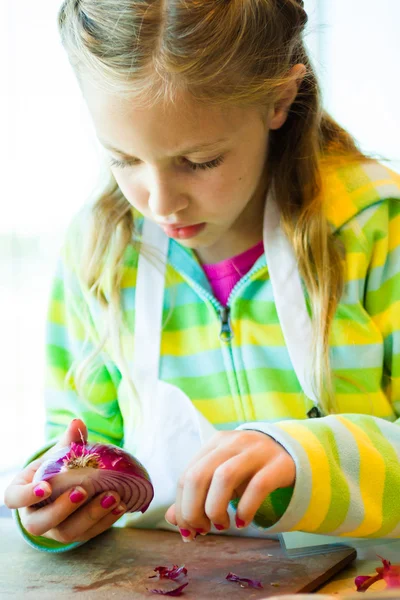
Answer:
(77, 495)
(219, 527)
(186, 535)
(185, 532)
(41, 489)
(239, 522)
(119, 510)
(200, 531)
(108, 501)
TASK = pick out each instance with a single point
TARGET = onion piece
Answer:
(97, 468)
(253, 583)
(389, 573)
(165, 573)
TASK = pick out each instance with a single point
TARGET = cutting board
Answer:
(118, 564)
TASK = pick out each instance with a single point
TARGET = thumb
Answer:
(75, 432)
(170, 515)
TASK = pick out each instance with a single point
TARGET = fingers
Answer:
(173, 514)
(38, 521)
(103, 524)
(277, 474)
(170, 515)
(70, 516)
(91, 520)
(250, 470)
(208, 448)
(22, 492)
(75, 432)
(195, 509)
(226, 479)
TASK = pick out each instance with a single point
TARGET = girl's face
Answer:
(197, 171)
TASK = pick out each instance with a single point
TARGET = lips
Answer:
(179, 231)
(180, 225)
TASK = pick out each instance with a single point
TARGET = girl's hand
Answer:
(71, 517)
(245, 464)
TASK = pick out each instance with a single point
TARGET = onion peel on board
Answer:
(173, 573)
(389, 573)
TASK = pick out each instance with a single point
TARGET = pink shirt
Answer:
(223, 276)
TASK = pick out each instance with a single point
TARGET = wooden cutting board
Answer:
(118, 564)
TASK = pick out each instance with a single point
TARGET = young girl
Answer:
(237, 276)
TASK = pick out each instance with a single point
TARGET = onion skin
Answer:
(97, 468)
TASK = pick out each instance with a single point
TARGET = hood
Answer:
(350, 189)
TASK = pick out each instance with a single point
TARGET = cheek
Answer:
(132, 190)
(235, 185)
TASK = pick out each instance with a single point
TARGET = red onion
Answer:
(165, 573)
(97, 468)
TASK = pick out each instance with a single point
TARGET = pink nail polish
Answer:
(219, 527)
(108, 501)
(39, 491)
(76, 496)
(118, 511)
(239, 522)
(199, 530)
(185, 532)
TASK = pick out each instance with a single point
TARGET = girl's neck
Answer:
(245, 233)
(229, 247)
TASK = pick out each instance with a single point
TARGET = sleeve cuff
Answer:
(42, 543)
(39, 542)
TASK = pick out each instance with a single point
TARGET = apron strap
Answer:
(289, 298)
(149, 300)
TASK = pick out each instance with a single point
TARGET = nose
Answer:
(165, 199)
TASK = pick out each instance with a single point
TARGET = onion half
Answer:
(97, 468)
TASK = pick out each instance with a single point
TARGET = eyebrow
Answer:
(192, 150)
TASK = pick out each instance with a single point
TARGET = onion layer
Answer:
(97, 468)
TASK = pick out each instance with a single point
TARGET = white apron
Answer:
(172, 430)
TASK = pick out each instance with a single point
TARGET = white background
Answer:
(49, 164)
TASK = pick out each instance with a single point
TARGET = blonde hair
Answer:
(236, 53)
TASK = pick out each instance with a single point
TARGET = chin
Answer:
(203, 240)
(194, 244)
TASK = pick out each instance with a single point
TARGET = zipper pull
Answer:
(314, 413)
(226, 333)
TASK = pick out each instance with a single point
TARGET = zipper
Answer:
(226, 333)
(242, 282)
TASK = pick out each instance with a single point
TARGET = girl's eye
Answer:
(120, 164)
(211, 164)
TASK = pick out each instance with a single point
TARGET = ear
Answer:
(279, 112)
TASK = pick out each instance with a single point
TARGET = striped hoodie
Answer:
(347, 464)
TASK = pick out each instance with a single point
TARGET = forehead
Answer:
(162, 127)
